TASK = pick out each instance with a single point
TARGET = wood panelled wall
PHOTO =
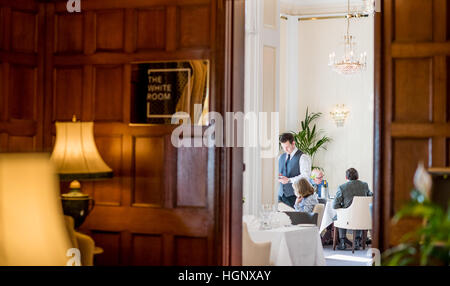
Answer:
(164, 206)
(413, 105)
(21, 76)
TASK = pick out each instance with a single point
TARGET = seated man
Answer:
(344, 198)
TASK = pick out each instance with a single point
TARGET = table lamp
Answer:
(32, 227)
(76, 158)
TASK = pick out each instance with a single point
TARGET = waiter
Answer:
(293, 165)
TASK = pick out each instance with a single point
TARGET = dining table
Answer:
(295, 245)
(328, 214)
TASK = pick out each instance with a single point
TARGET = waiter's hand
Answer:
(284, 180)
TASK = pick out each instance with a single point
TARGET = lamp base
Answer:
(76, 204)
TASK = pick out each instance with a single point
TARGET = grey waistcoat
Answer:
(293, 169)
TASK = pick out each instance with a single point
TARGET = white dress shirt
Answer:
(305, 166)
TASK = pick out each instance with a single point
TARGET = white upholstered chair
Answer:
(356, 217)
(319, 209)
(254, 253)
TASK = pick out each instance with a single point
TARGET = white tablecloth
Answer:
(292, 246)
(328, 215)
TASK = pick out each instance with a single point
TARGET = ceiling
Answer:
(315, 7)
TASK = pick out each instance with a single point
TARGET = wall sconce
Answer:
(339, 114)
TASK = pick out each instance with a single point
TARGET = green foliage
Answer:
(309, 140)
(428, 244)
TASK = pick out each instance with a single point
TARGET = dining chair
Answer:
(303, 217)
(319, 209)
(356, 217)
(254, 253)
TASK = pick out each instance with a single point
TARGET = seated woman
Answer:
(306, 197)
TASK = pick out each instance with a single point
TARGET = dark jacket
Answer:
(346, 192)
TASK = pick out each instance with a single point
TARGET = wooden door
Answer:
(412, 104)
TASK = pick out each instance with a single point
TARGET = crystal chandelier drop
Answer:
(349, 63)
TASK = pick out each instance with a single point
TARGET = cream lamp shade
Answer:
(32, 226)
(75, 154)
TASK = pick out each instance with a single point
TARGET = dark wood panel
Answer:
(2, 27)
(110, 242)
(191, 177)
(151, 29)
(24, 31)
(448, 21)
(191, 251)
(26, 5)
(108, 89)
(147, 250)
(110, 29)
(121, 58)
(3, 111)
(149, 170)
(108, 192)
(413, 124)
(413, 90)
(68, 86)
(407, 26)
(69, 33)
(23, 87)
(21, 144)
(407, 153)
(101, 4)
(193, 26)
(447, 85)
(419, 130)
(448, 152)
(419, 50)
(19, 58)
(16, 127)
(180, 221)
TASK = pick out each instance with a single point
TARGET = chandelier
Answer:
(349, 63)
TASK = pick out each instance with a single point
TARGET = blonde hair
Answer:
(303, 188)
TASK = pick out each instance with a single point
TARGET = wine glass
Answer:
(266, 210)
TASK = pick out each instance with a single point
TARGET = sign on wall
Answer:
(161, 89)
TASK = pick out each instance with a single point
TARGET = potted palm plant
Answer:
(429, 243)
(309, 139)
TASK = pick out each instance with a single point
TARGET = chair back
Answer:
(303, 217)
(357, 216)
(253, 253)
(319, 209)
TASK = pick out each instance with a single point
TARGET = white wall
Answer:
(320, 89)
